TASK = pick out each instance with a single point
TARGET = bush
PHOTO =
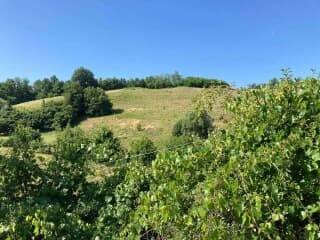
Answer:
(144, 150)
(193, 124)
(52, 115)
(62, 117)
(9, 118)
(96, 102)
(71, 146)
(139, 127)
(23, 141)
(105, 148)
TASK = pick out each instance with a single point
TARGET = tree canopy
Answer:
(84, 77)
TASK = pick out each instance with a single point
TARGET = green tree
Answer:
(96, 102)
(84, 77)
(74, 96)
(16, 90)
(48, 87)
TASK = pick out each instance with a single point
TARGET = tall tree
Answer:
(84, 77)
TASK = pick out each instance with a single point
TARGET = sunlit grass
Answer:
(139, 112)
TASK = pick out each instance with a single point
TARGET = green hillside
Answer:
(139, 111)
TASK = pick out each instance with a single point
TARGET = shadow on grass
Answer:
(83, 118)
(116, 111)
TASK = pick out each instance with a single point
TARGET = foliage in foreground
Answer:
(257, 179)
(144, 149)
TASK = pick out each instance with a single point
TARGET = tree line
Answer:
(18, 90)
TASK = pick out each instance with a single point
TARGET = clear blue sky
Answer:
(240, 41)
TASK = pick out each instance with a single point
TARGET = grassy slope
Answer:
(155, 110)
(36, 103)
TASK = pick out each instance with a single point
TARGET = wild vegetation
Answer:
(257, 177)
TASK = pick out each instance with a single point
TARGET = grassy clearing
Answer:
(140, 111)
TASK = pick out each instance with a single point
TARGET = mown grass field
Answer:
(139, 111)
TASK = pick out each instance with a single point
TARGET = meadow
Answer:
(138, 112)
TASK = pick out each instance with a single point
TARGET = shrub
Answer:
(105, 148)
(96, 102)
(23, 141)
(62, 117)
(52, 115)
(71, 145)
(193, 124)
(139, 127)
(144, 150)
(9, 119)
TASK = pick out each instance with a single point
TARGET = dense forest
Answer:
(257, 178)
